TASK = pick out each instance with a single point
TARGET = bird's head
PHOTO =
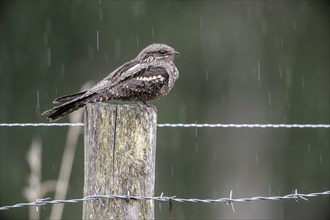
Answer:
(157, 51)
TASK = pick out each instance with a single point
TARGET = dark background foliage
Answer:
(241, 62)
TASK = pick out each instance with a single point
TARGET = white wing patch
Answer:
(158, 78)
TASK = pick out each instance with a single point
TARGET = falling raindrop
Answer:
(288, 77)
(207, 75)
(97, 40)
(280, 71)
(258, 69)
(47, 31)
(160, 206)
(257, 160)
(49, 51)
(137, 41)
(38, 100)
(302, 82)
(282, 42)
(269, 99)
(269, 190)
(152, 33)
(309, 147)
(172, 170)
(201, 22)
(62, 72)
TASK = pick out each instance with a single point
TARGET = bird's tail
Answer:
(72, 105)
(67, 98)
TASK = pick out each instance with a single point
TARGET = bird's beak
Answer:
(177, 53)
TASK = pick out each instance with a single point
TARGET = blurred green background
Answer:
(241, 62)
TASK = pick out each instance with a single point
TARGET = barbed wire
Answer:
(247, 125)
(40, 124)
(229, 201)
(295, 196)
(179, 125)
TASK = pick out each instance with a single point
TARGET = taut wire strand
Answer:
(179, 125)
(229, 201)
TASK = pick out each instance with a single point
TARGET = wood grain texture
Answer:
(120, 153)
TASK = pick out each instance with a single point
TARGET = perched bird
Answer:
(148, 76)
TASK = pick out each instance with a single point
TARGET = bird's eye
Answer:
(162, 51)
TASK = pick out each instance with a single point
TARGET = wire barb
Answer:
(128, 194)
(230, 201)
(96, 195)
(41, 202)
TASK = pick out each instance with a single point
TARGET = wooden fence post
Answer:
(120, 152)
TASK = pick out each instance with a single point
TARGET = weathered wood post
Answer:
(120, 152)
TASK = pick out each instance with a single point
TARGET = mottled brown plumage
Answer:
(149, 76)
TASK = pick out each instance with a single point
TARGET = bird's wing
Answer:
(115, 77)
(146, 84)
